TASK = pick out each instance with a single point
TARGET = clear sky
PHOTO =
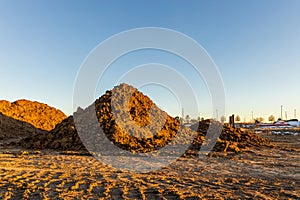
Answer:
(255, 44)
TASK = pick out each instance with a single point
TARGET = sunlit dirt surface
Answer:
(261, 173)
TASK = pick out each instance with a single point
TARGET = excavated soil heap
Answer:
(133, 130)
(230, 140)
(38, 114)
(63, 137)
(126, 117)
(12, 130)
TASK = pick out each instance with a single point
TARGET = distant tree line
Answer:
(223, 119)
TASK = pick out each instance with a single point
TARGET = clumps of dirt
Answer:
(38, 114)
(63, 137)
(132, 121)
(230, 140)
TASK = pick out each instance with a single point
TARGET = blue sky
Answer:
(255, 44)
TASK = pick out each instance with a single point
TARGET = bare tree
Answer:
(187, 118)
(181, 120)
(259, 119)
(237, 118)
(223, 119)
(272, 118)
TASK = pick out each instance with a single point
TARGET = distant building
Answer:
(291, 122)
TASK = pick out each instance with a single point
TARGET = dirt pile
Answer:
(136, 126)
(63, 137)
(12, 130)
(38, 114)
(137, 121)
(230, 140)
(131, 121)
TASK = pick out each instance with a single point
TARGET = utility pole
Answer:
(182, 114)
(285, 115)
(281, 112)
(295, 114)
(217, 113)
(252, 116)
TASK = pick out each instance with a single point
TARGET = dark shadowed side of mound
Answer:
(131, 121)
(63, 137)
(13, 130)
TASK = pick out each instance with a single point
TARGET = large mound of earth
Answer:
(131, 121)
(38, 114)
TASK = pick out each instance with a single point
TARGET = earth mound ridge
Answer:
(38, 114)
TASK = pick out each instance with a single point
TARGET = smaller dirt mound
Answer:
(230, 140)
(38, 114)
(63, 137)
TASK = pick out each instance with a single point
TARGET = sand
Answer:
(256, 173)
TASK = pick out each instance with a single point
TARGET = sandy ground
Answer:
(259, 173)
